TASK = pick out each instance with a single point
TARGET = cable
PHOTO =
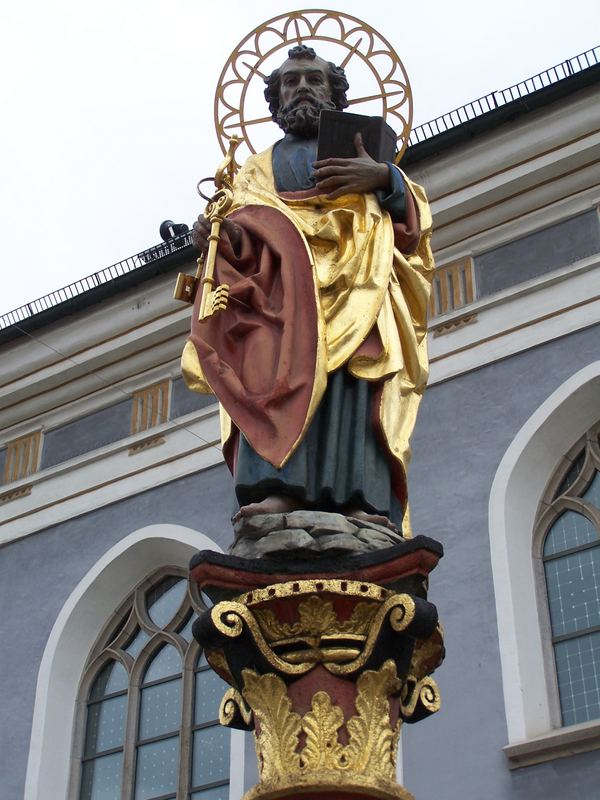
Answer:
(162, 417)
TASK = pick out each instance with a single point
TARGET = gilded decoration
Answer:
(420, 695)
(368, 591)
(325, 671)
(234, 712)
(428, 654)
(280, 726)
(419, 699)
(372, 739)
(319, 636)
(316, 618)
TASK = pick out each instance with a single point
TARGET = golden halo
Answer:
(368, 58)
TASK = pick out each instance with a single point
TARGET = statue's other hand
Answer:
(338, 176)
(201, 231)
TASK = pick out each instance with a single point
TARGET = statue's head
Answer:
(302, 86)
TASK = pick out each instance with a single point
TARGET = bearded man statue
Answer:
(319, 361)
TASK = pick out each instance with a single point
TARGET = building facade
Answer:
(112, 477)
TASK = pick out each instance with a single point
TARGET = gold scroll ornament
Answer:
(319, 637)
(214, 299)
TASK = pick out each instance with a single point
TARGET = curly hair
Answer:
(337, 81)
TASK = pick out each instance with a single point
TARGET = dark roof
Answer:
(96, 287)
(442, 133)
(497, 108)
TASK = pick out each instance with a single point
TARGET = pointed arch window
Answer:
(105, 731)
(150, 727)
(569, 532)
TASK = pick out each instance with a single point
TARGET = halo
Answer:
(368, 58)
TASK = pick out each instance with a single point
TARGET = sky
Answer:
(107, 108)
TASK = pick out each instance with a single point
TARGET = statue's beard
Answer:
(301, 117)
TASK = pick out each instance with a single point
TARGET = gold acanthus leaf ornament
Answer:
(372, 744)
(321, 724)
(279, 724)
(371, 738)
(316, 617)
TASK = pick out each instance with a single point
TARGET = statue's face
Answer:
(304, 82)
(304, 91)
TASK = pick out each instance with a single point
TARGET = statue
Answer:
(319, 359)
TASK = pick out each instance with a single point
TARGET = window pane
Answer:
(157, 769)
(218, 793)
(105, 725)
(137, 644)
(210, 757)
(578, 673)
(592, 494)
(570, 530)
(101, 779)
(573, 584)
(209, 693)
(166, 662)
(112, 678)
(164, 600)
(160, 709)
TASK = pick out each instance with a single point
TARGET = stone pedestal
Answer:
(326, 658)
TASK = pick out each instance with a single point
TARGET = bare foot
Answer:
(274, 504)
(377, 519)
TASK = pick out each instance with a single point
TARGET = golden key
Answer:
(214, 299)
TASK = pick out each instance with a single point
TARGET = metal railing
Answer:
(93, 281)
(436, 126)
(500, 98)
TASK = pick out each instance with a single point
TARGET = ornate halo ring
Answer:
(372, 66)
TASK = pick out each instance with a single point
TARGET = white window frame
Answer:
(519, 483)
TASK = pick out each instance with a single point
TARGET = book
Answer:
(337, 130)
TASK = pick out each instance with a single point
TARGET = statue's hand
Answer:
(201, 231)
(338, 176)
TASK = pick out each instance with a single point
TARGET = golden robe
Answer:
(370, 302)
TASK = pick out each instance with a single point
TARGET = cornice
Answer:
(111, 473)
(547, 131)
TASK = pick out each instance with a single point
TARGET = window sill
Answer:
(560, 743)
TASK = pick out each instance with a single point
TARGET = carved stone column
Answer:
(326, 658)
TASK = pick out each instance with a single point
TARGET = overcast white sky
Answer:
(107, 108)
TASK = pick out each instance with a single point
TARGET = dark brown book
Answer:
(337, 130)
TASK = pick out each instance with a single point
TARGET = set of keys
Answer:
(214, 298)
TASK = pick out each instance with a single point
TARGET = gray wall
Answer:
(465, 426)
(184, 402)
(87, 433)
(540, 252)
(37, 574)
(109, 425)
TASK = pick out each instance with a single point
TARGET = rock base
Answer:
(298, 534)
